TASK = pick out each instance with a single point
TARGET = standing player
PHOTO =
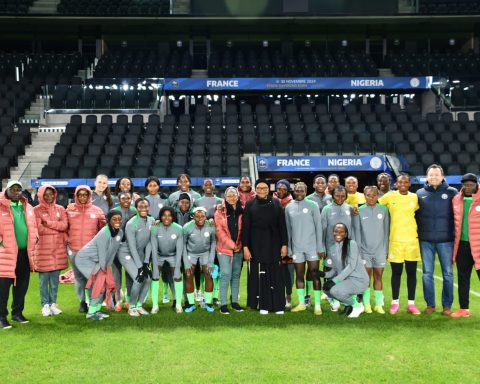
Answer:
(199, 246)
(403, 243)
(166, 250)
(320, 196)
(372, 240)
(132, 256)
(152, 186)
(84, 222)
(354, 198)
(183, 183)
(245, 190)
(208, 200)
(383, 183)
(305, 244)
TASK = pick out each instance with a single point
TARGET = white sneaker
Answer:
(133, 312)
(334, 304)
(142, 311)
(178, 308)
(198, 296)
(154, 310)
(288, 305)
(263, 312)
(55, 310)
(324, 296)
(357, 311)
(46, 310)
(104, 315)
(317, 310)
(166, 299)
(280, 312)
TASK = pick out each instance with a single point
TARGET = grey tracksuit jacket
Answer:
(372, 232)
(322, 202)
(165, 242)
(304, 227)
(156, 204)
(333, 214)
(173, 198)
(198, 242)
(98, 253)
(209, 203)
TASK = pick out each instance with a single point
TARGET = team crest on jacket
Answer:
(347, 213)
(444, 196)
(174, 236)
(379, 216)
(206, 234)
(118, 238)
(305, 210)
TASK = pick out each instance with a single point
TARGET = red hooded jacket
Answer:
(245, 196)
(84, 221)
(473, 225)
(51, 251)
(9, 248)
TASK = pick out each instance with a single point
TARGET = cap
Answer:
(469, 177)
(11, 183)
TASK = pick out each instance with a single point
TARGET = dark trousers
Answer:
(19, 290)
(464, 270)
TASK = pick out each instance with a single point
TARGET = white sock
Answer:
(396, 301)
(411, 302)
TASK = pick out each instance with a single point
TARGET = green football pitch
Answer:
(242, 347)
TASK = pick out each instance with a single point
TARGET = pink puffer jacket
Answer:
(9, 248)
(473, 225)
(51, 250)
(84, 221)
(225, 244)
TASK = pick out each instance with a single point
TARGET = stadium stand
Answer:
(114, 7)
(264, 62)
(15, 7)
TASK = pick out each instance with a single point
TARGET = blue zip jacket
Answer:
(435, 216)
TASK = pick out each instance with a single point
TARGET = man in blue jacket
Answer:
(435, 232)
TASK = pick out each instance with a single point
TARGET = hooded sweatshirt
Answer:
(52, 224)
(84, 221)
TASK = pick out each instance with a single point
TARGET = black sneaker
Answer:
(347, 310)
(83, 307)
(4, 324)
(224, 310)
(237, 307)
(216, 302)
(20, 319)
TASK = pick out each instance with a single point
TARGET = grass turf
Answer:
(241, 347)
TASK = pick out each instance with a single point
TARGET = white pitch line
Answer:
(456, 285)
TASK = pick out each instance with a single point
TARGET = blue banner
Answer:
(138, 183)
(297, 83)
(320, 163)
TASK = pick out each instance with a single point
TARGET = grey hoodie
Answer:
(304, 227)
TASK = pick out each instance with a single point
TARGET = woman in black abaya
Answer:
(264, 238)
